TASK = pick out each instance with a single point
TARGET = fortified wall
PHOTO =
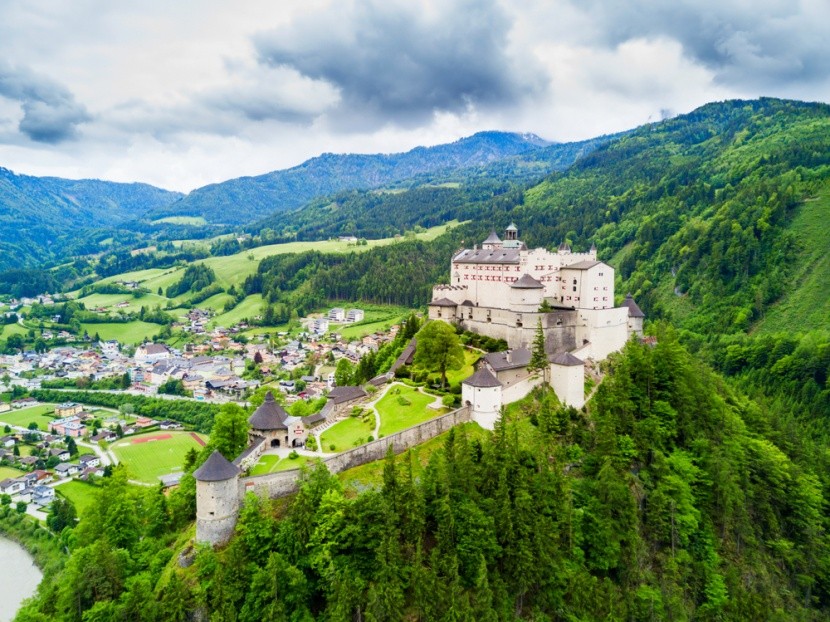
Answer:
(220, 489)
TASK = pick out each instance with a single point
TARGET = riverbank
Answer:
(19, 578)
(39, 542)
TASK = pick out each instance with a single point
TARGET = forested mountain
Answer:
(42, 217)
(242, 200)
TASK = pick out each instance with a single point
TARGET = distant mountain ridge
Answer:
(40, 216)
(244, 199)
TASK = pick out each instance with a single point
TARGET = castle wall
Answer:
(605, 329)
(568, 382)
(522, 388)
(484, 402)
(287, 482)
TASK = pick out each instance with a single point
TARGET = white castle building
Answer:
(503, 290)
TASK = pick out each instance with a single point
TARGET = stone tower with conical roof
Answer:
(217, 499)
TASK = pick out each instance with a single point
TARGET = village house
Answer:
(152, 353)
(12, 486)
(355, 315)
(337, 314)
(66, 469)
(67, 409)
(89, 460)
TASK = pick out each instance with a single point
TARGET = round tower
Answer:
(526, 294)
(217, 499)
(481, 392)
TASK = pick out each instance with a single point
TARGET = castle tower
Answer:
(567, 377)
(635, 316)
(217, 499)
(493, 242)
(482, 393)
(512, 232)
(526, 294)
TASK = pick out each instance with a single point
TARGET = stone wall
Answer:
(286, 482)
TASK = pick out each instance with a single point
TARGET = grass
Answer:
(806, 306)
(396, 416)
(455, 376)
(346, 434)
(271, 463)
(127, 332)
(81, 494)
(147, 461)
(7, 472)
(7, 330)
(193, 221)
(25, 416)
(371, 475)
(248, 308)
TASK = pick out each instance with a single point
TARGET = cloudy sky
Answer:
(187, 92)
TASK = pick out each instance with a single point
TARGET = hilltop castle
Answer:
(503, 290)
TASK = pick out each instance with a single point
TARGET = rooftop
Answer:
(527, 282)
(512, 359)
(217, 468)
(269, 416)
(566, 359)
(482, 379)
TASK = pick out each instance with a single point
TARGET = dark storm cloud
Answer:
(50, 112)
(401, 62)
(760, 44)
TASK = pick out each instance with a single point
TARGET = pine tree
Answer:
(538, 358)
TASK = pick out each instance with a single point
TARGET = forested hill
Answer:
(246, 199)
(41, 217)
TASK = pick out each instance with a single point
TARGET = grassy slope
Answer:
(395, 416)
(807, 305)
(127, 332)
(346, 434)
(81, 494)
(25, 416)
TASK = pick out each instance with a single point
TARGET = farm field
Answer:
(346, 434)
(12, 329)
(193, 221)
(149, 456)
(81, 494)
(25, 416)
(248, 308)
(396, 416)
(128, 332)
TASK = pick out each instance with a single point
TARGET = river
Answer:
(18, 578)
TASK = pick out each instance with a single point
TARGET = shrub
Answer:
(370, 439)
(403, 401)
(293, 455)
(448, 400)
(332, 447)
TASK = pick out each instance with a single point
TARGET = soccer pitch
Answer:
(148, 456)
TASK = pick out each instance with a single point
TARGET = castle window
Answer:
(574, 287)
(601, 274)
(574, 281)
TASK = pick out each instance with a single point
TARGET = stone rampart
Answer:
(287, 482)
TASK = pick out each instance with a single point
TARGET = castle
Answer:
(504, 290)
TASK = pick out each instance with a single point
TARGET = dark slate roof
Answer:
(467, 303)
(482, 379)
(338, 395)
(565, 359)
(498, 256)
(249, 450)
(269, 416)
(216, 469)
(312, 419)
(493, 238)
(442, 302)
(527, 282)
(582, 265)
(406, 356)
(633, 309)
(520, 357)
(512, 227)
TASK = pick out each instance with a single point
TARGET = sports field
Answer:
(25, 416)
(149, 456)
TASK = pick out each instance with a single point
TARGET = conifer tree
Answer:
(538, 358)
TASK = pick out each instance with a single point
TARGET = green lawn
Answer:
(7, 330)
(7, 472)
(81, 494)
(455, 376)
(395, 416)
(273, 464)
(346, 434)
(25, 416)
(146, 461)
(133, 332)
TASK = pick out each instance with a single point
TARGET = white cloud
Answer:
(185, 93)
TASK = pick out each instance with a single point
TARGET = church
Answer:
(504, 290)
